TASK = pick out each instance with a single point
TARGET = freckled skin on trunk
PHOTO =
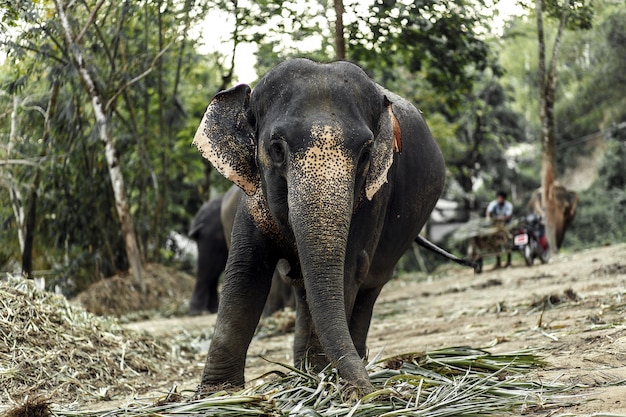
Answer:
(321, 223)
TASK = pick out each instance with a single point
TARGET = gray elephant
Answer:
(207, 230)
(211, 229)
(340, 176)
(566, 202)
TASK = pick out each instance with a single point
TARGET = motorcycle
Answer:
(530, 239)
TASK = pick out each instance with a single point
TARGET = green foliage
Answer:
(488, 127)
(579, 12)
(285, 29)
(440, 43)
(156, 85)
(596, 84)
(591, 88)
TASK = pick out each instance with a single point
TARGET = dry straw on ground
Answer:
(66, 356)
(168, 293)
(450, 382)
(50, 348)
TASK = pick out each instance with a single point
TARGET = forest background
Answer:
(99, 102)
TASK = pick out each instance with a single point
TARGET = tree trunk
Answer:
(547, 88)
(31, 208)
(161, 198)
(340, 42)
(14, 192)
(115, 172)
(29, 229)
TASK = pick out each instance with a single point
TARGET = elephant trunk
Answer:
(320, 209)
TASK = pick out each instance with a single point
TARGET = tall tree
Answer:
(72, 42)
(31, 206)
(571, 14)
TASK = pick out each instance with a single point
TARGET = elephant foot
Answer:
(193, 311)
(213, 304)
(205, 390)
(353, 392)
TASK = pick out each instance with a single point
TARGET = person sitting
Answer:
(500, 209)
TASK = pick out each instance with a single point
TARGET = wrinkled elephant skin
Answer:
(340, 175)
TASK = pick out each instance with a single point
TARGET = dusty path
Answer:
(572, 311)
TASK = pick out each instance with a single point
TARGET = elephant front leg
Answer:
(246, 286)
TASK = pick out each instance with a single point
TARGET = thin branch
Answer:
(38, 51)
(340, 42)
(59, 43)
(227, 78)
(20, 162)
(187, 10)
(139, 77)
(36, 108)
(542, 53)
(115, 172)
(92, 17)
(557, 45)
(111, 55)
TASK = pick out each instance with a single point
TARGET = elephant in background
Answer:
(211, 228)
(567, 202)
(340, 175)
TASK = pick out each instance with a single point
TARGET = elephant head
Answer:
(309, 145)
(566, 202)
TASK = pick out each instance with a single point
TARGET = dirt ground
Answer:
(571, 311)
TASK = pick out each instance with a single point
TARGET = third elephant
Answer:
(211, 228)
(566, 202)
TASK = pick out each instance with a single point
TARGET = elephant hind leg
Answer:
(281, 293)
(219, 264)
(307, 349)
(212, 257)
(362, 317)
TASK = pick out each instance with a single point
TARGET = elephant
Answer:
(211, 229)
(566, 204)
(339, 175)
(208, 232)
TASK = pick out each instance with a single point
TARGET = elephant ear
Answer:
(388, 141)
(226, 138)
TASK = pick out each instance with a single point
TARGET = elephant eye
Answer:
(366, 153)
(277, 152)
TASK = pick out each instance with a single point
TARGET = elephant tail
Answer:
(422, 241)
